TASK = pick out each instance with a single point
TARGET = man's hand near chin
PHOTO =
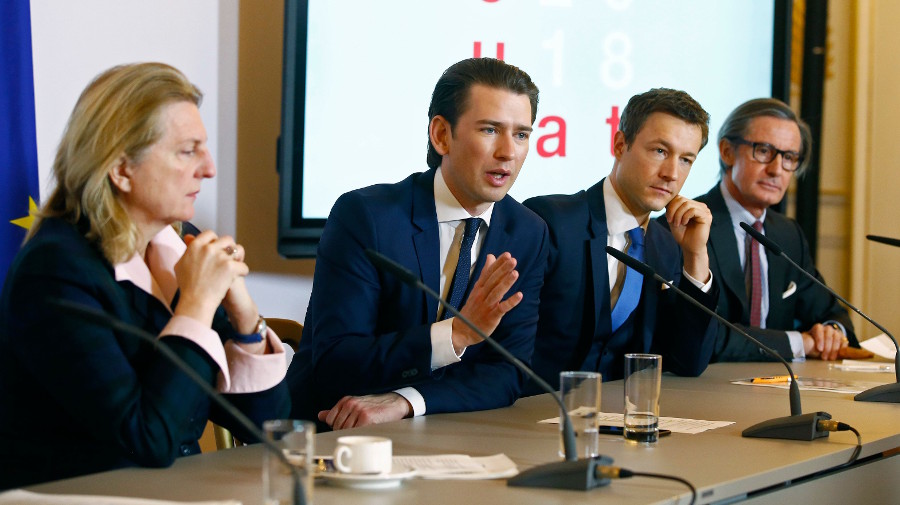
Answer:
(355, 411)
(690, 222)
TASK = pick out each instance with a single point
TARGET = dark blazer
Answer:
(807, 305)
(77, 397)
(367, 332)
(575, 307)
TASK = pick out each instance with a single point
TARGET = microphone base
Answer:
(578, 475)
(799, 427)
(887, 393)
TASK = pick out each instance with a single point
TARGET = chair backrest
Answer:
(289, 331)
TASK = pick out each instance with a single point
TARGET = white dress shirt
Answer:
(451, 225)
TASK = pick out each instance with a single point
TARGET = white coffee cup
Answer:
(360, 454)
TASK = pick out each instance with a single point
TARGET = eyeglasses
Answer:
(765, 153)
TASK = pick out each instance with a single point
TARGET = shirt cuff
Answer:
(251, 373)
(414, 398)
(239, 371)
(442, 352)
(839, 325)
(703, 287)
(796, 340)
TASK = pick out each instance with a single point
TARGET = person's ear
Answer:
(727, 152)
(439, 132)
(120, 174)
(619, 144)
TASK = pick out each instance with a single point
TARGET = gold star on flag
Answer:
(27, 221)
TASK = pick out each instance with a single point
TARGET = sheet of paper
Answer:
(459, 466)
(22, 497)
(828, 385)
(881, 346)
(674, 424)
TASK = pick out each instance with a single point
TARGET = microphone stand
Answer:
(888, 393)
(91, 314)
(797, 426)
(569, 474)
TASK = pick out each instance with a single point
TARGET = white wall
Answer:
(75, 41)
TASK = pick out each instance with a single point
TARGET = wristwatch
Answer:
(254, 338)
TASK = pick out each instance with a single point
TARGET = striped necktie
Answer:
(464, 266)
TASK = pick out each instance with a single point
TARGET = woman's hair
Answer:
(116, 117)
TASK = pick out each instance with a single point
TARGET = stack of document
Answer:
(459, 466)
(881, 346)
(673, 424)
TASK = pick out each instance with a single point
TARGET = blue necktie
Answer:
(461, 277)
(631, 287)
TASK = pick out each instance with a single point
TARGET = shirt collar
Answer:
(156, 275)
(618, 218)
(737, 211)
(448, 207)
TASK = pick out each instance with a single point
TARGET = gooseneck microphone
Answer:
(797, 426)
(101, 318)
(889, 393)
(570, 474)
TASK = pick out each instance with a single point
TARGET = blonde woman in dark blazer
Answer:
(77, 397)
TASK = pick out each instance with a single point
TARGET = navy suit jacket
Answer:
(575, 308)
(77, 397)
(367, 332)
(795, 302)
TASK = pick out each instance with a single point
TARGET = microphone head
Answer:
(884, 240)
(762, 239)
(633, 263)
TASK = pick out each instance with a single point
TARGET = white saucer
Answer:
(369, 481)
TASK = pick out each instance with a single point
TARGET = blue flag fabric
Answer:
(18, 144)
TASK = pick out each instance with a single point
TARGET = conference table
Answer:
(724, 466)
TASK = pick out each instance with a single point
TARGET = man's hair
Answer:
(451, 92)
(669, 101)
(118, 114)
(738, 121)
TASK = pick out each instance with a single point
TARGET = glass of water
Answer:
(643, 378)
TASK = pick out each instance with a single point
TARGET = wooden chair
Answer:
(289, 331)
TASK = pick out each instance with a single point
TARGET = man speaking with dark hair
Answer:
(593, 309)
(375, 350)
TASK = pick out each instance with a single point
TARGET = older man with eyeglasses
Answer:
(762, 144)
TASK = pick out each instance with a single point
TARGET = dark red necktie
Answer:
(755, 278)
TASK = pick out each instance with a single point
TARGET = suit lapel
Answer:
(598, 258)
(425, 238)
(724, 249)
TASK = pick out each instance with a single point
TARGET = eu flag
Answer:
(18, 147)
